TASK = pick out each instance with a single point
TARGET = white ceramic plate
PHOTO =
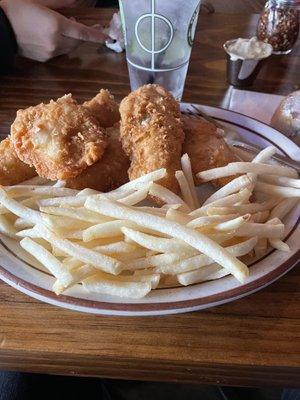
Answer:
(27, 275)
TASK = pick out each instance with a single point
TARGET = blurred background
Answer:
(234, 6)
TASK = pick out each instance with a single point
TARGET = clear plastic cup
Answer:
(159, 36)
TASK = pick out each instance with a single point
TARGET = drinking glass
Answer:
(159, 36)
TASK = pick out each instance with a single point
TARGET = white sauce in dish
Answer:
(248, 49)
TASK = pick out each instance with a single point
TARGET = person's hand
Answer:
(42, 33)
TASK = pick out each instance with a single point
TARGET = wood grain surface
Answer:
(252, 342)
(237, 6)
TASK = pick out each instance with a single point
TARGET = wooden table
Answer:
(251, 342)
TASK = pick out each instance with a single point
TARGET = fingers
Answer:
(75, 30)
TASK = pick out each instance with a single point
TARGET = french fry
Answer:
(217, 275)
(30, 233)
(106, 230)
(154, 261)
(101, 242)
(233, 224)
(200, 275)
(166, 196)
(160, 245)
(178, 216)
(116, 247)
(280, 181)
(230, 200)
(264, 155)
(19, 209)
(30, 202)
(153, 279)
(78, 275)
(76, 213)
(279, 245)
(49, 261)
(222, 237)
(67, 201)
(185, 189)
(73, 235)
(261, 230)
(195, 239)
(6, 227)
(244, 168)
(99, 261)
(281, 191)
(141, 182)
(21, 223)
(33, 190)
(58, 253)
(63, 225)
(87, 192)
(136, 197)
(243, 208)
(202, 260)
(104, 284)
(60, 184)
(233, 186)
(212, 220)
(187, 170)
(128, 257)
(72, 263)
(146, 276)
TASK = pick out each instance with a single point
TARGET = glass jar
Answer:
(279, 25)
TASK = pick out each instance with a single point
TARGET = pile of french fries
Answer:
(114, 245)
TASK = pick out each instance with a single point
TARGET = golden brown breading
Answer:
(104, 108)
(205, 147)
(108, 173)
(12, 170)
(59, 139)
(151, 133)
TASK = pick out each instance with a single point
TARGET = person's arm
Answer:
(42, 33)
(8, 43)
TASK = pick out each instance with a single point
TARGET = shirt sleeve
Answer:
(8, 43)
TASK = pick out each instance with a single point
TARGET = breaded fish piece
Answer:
(205, 147)
(12, 170)
(151, 133)
(104, 108)
(60, 139)
(108, 173)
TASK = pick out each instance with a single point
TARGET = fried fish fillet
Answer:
(12, 170)
(108, 173)
(104, 108)
(205, 147)
(60, 139)
(151, 133)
